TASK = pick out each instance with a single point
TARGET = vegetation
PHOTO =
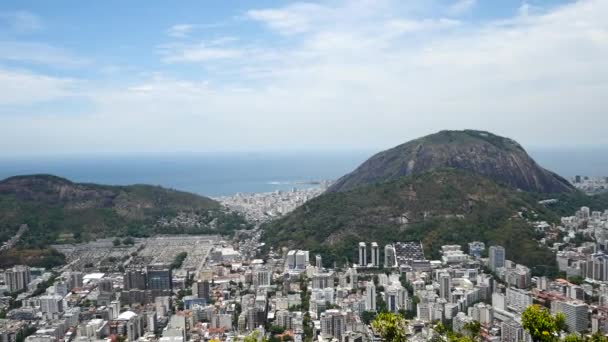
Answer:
(59, 211)
(541, 325)
(179, 260)
(390, 326)
(439, 207)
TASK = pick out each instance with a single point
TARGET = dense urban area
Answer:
(208, 287)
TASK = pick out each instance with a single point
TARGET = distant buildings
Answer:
(17, 278)
(476, 249)
(390, 258)
(362, 254)
(297, 260)
(497, 257)
(375, 255)
(370, 297)
(576, 314)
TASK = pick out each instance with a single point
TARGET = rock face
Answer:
(500, 159)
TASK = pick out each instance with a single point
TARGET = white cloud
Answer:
(295, 18)
(180, 30)
(24, 87)
(202, 52)
(39, 53)
(461, 6)
(374, 81)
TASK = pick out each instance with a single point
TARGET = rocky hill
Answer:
(477, 152)
(58, 210)
(442, 206)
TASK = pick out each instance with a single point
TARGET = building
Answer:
(318, 261)
(159, 277)
(497, 257)
(261, 277)
(76, 280)
(135, 279)
(375, 255)
(370, 297)
(201, 289)
(17, 278)
(517, 300)
(284, 319)
(511, 331)
(476, 249)
(362, 254)
(576, 314)
(390, 258)
(51, 304)
(333, 324)
(445, 287)
(302, 260)
(322, 280)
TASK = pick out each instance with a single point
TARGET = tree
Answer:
(116, 242)
(473, 329)
(128, 241)
(390, 326)
(541, 325)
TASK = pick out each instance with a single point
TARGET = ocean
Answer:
(214, 174)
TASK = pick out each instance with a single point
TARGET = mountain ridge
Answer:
(484, 153)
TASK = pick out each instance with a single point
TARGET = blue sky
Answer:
(164, 76)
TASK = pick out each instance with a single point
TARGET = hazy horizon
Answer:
(101, 77)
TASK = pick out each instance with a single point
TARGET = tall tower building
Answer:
(318, 261)
(370, 297)
(159, 277)
(362, 254)
(445, 287)
(497, 257)
(389, 256)
(17, 278)
(375, 255)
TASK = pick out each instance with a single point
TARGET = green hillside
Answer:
(57, 210)
(437, 207)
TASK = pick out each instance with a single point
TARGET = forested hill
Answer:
(58, 210)
(438, 207)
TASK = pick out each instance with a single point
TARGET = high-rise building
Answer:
(318, 261)
(390, 258)
(135, 279)
(291, 260)
(511, 331)
(375, 255)
(517, 300)
(322, 280)
(159, 277)
(201, 289)
(17, 278)
(76, 280)
(261, 276)
(497, 257)
(301, 260)
(393, 298)
(370, 297)
(50, 304)
(362, 254)
(576, 314)
(333, 324)
(445, 287)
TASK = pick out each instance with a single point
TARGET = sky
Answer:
(210, 76)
